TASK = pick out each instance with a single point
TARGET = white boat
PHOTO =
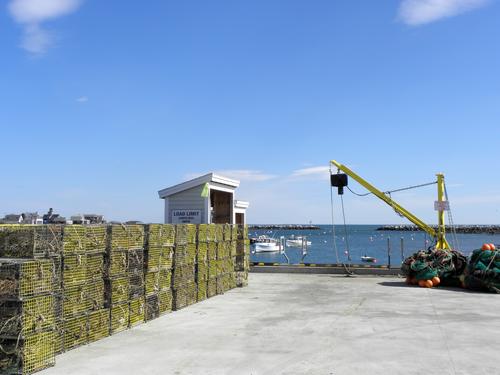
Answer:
(368, 259)
(298, 241)
(265, 244)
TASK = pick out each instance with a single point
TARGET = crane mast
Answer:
(439, 235)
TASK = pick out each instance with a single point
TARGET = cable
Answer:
(395, 190)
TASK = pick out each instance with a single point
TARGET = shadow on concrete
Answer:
(402, 284)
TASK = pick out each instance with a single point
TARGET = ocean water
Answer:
(362, 240)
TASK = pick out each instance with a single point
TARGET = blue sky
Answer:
(103, 103)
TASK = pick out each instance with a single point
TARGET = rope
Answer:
(395, 190)
(456, 243)
(346, 268)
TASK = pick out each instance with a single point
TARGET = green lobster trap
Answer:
(75, 332)
(20, 278)
(95, 267)
(27, 316)
(119, 317)
(95, 239)
(152, 307)
(27, 355)
(233, 249)
(117, 263)
(118, 290)
(98, 325)
(75, 301)
(234, 232)
(137, 311)
(30, 241)
(165, 301)
(135, 237)
(242, 247)
(74, 240)
(192, 252)
(74, 270)
(181, 255)
(59, 336)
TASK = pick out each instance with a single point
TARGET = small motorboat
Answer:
(368, 259)
(265, 244)
(297, 241)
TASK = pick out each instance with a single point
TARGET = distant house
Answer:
(24, 218)
(204, 200)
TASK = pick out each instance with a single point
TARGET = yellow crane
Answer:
(340, 181)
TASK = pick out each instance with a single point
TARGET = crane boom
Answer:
(441, 242)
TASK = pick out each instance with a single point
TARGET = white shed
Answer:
(204, 200)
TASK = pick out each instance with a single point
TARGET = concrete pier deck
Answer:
(308, 324)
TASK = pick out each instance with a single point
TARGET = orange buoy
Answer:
(428, 284)
(421, 283)
(486, 246)
(492, 246)
(436, 281)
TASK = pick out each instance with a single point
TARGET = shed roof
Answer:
(209, 177)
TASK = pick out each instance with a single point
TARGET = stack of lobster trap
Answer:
(159, 251)
(62, 286)
(184, 288)
(125, 276)
(27, 317)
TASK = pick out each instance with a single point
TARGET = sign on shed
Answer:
(186, 216)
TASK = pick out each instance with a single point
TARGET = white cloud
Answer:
(247, 175)
(82, 99)
(32, 13)
(418, 12)
(318, 172)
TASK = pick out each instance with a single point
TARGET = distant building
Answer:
(24, 218)
(204, 200)
(87, 219)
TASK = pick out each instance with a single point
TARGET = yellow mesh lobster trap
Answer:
(95, 267)
(27, 355)
(182, 275)
(137, 311)
(212, 251)
(118, 290)
(75, 301)
(202, 290)
(152, 307)
(95, 294)
(159, 235)
(74, 239)
(20, 278)
(30, 241)
(185, 233)
(117, 263)
(74, 269)
(98, 325)
(166, 257)
(152, 257)
(203, 233)
(95, 239)
(119, 317)
(165, 301)
(75, 332)
(27, 316)
(202, 271)
(202, 252)
(211, 287)
(157, 281)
